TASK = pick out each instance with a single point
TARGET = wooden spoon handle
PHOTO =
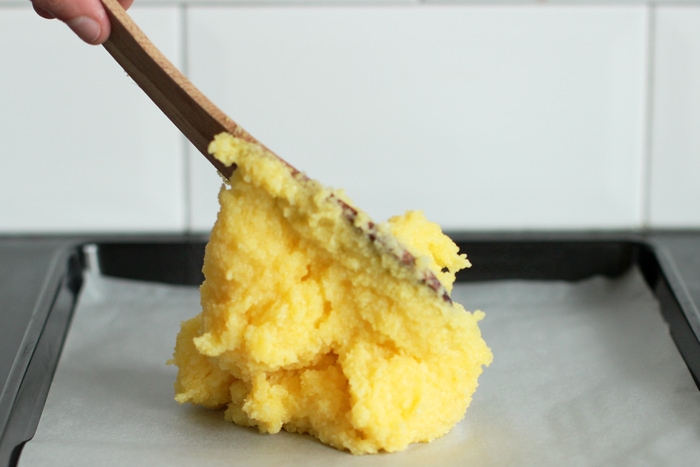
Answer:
(200, 120)
(195, 115)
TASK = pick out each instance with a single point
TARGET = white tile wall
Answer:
(675, 175)
(82, 148)
(522, 114)
(484, 117)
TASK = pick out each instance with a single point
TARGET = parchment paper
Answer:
(584, 374)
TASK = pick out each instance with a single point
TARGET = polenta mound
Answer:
(308, 325)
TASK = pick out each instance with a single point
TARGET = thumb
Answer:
(87, 18)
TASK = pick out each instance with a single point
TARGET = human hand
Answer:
(87, 18)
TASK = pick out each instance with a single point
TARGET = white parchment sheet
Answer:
(583, 374)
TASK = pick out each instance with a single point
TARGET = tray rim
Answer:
(23, 398)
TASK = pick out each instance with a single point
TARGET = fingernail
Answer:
(86, 28)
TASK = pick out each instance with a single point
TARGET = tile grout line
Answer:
(184, 143)
(649, 120)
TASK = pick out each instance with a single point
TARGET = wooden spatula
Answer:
(200, 120)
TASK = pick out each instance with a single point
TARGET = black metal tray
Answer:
(40, 279)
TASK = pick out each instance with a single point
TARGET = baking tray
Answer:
(665, 261)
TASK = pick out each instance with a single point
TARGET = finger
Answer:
(87, 18)
(126, 4)
(43, 13)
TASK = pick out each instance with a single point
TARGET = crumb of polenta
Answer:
(310, 326)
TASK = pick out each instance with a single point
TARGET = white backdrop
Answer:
(486, 115)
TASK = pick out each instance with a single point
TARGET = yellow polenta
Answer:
(314, 321)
